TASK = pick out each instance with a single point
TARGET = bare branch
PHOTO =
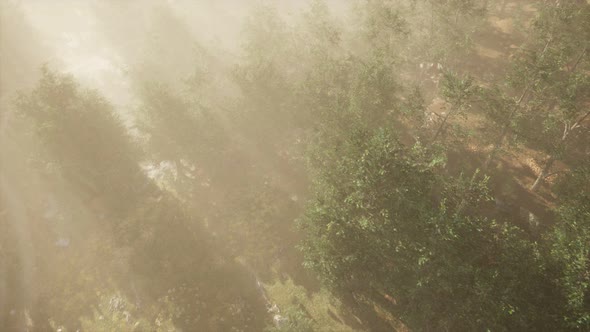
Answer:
(579, 122)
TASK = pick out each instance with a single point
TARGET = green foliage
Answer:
(84, 140)
(384, 27)
(445, 29)
(318, 311)
(116, 313)
(183, 132)
(553, 69)
(456, 90)
(143, 231)
(458, 93)
(569, 250)
(360, 185)
(496, 105)
(294, 320)
(375, 223)
(550, 75)
(260, 74)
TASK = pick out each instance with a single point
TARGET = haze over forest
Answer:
(314, 165)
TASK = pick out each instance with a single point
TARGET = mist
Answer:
(321, 165)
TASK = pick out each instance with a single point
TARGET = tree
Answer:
(263, 76)
(445, 33)
(457, 92)
(562, 90)
(143, 228)
(568, 250)
(553, 85)
(117, 313)
(384, 26)
(183, 132)
(85, 141)
(294, 320)
(375, 226)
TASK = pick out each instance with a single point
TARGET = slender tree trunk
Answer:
(463, 202)
(505, 130)
(506, 127)
(442, 125)
(543, 174)
(551, 160)
(568, 129)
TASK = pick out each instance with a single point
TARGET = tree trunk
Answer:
(543, 174)
(551, 160)
(506, 127)
(442, 125)
(568, 129)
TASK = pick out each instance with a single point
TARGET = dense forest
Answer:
(360, 165)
